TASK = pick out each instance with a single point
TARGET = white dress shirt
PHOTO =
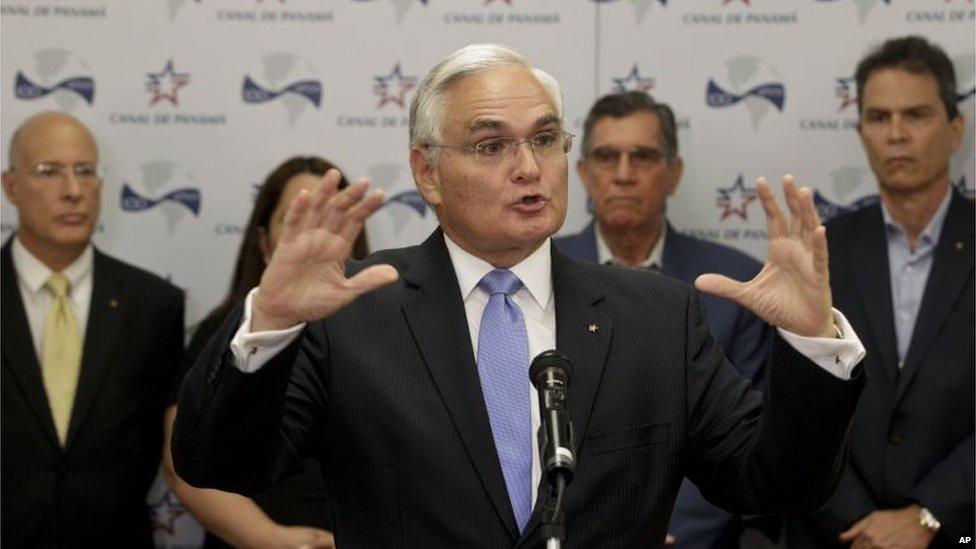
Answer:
(654, 260)
(535, 299)
(31, 277)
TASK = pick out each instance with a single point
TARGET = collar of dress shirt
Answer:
(655, 259)
(929, 235)
(34, 274)
(534, 271)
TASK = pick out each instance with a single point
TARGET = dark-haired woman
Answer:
(296, 512)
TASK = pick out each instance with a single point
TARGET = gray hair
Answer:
(427, 106)
(621, 104)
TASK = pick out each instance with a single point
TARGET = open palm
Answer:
(306, 279)
(793, 289)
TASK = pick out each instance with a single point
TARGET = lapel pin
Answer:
(113, 303)
(593, 328)
(959, 245)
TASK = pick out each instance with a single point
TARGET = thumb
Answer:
(372, 278)
(721, 286)
(853, 531)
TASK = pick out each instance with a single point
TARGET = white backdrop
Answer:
(194, 101)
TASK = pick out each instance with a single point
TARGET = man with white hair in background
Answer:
(409, 379)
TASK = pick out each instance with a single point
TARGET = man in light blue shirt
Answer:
(903, 270)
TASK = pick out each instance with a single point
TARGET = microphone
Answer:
(550, 374)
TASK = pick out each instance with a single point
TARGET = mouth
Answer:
(531, 203)
(72, 218)
(898, 160)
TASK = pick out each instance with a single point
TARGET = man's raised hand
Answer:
(306, 277)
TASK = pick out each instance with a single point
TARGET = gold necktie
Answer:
(62, 354)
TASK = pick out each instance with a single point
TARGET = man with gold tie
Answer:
(90, 349)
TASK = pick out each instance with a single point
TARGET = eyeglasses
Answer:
(51, 171)
(497, 149)
(608, 158)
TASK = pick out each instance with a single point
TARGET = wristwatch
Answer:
(928, 521)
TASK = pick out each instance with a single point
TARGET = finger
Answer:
(721, 286)
(808, 222)
(371, 278)
(669, 540)
(821, 261)
(318, 195)
(358, 214)
(338, 206)
(792, 202)
(775, 223)
(291, 223)
(854, 531)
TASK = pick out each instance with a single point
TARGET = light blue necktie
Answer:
(503, 365)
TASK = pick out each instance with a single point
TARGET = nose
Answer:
(527, 167)
(896, 129)
(71, 190)
(624, 173)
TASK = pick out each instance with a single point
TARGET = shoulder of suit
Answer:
(847, 222)
(711, 256)
(147, 282)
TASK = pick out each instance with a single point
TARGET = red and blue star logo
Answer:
(633, 82)
(394, 87)
(165, 84)
(735, 200)
(846, 92)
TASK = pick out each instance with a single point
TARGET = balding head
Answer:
(53, 181)
(38, 130)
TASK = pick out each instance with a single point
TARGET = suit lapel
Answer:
(108, 301)
(435, 315)
(869, 261)
(18, 347)
(952, 268)
(673, 262)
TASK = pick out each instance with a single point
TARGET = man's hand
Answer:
(889, 529)
(280, 536)
(793, 289)
(306, 278)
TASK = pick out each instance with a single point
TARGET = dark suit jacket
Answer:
(743, 336)
(92, 492)
(912, 435)
(386, 393)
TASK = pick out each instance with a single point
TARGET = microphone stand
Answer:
(553, 515)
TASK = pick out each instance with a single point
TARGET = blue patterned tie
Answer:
(503, 365)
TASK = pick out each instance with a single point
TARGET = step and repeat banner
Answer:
(193, 102)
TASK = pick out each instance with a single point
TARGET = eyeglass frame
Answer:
(36, 171)
(514, 143)
(662, 156)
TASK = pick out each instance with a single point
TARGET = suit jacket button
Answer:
(895, 437)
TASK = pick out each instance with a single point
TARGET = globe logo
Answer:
(287, 79)
(176, 204)
(59, 74)
(751, 82)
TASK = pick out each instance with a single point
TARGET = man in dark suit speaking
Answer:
(91, 347)
(416, 396)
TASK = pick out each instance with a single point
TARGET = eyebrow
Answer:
(494, 124)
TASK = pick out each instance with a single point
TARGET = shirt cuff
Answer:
(836, 355)
(254, 349)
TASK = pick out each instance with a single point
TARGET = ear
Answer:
(425, 176)
(9, 187)
(675, 171)
(264, 244)
(585, 177)
(958, 125)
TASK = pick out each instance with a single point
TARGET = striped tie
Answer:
(61, 360)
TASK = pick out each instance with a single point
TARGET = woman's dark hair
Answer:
(250, 261)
